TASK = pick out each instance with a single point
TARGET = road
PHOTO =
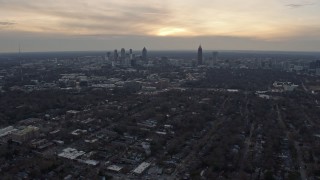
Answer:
(302, 170)
(247, 143)
(248, 140)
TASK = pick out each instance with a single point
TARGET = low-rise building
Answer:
(25, 134)
(286, 86)
(6, 132)
(71, 153)
(141, 168)
(114, 168)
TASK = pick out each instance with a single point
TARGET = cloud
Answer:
(100, 19)
(299, 5)
(5, 23)
(31, 42)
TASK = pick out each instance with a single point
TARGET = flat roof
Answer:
(27, 130)
(114, 168)
(71, 153)
(142, 167)
(7, 130)
(90, 162)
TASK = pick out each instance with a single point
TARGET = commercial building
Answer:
(141, 168)
(25, 134)
(214, 59)
(6, 132)
(200, 56)
(144, 54)
(114, 168)
(115, 55)
(71, 153)
(286, 86)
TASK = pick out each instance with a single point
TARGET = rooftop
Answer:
(71, 153)
(114, 168)
(27, 130)
(7, 130)
(142, 167)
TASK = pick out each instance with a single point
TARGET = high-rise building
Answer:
(115, 55)
(123, 53)
(315, 64)
(127, 62)
(130, 54)
(315, 67)
(214, 59)
(200, 57)
(108, 56)
(144, 54)
(122, 57)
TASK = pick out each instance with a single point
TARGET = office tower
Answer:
(144, 54)
(127, 61)
(122, 57)
(200, 55)
(214, 59)
(108, 56)
(315, 67)
(115, 55)
(123, 53)
(130, 54)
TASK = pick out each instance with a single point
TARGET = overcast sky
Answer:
(67, 25)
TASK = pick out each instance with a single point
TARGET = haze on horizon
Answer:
(76, 25)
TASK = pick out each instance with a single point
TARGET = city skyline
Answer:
(181, 25)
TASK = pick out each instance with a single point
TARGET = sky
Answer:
(81, 25)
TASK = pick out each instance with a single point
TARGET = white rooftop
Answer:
(142, 167)
(89, 162)
(7, 130)
(114, 168)
(71, 153)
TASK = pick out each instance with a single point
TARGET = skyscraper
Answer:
(122, 56)
(123, 53)
(108, 56)
(115, 55)
(200, 55)
(214, 59)
(144, 54)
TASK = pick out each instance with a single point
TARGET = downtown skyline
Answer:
(283, 25)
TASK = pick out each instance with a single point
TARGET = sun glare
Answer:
(172, 32)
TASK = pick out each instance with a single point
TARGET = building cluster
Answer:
(210, 62)
(286, 86)
(87, 144)
(207, 116)
(127, 59)
(20, 134)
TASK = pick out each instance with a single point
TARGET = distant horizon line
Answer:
(157, 50)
